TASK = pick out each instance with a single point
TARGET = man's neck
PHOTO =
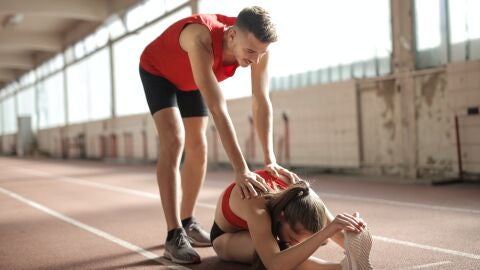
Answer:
(228, 58)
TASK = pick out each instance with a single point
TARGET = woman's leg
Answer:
(238, 247)
(316, 263)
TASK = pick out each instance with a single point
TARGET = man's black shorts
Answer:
(162, 94)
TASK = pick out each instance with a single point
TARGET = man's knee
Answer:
(197, 147)
(172, 145)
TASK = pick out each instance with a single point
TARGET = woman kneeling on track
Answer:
(283, 228)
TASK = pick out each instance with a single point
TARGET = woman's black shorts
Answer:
(161, 94)
(215, 232)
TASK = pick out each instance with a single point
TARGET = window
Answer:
(51, 104)
(89, 88)
(9, 117)
(321, 34)
(464, 29)
(26, 104)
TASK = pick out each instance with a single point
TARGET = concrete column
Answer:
(194, 6)
(65, 91)
(112, 80)
(403, 64)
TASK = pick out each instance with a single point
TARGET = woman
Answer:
(283, 228)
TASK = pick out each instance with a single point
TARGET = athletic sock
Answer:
(170, 234)
(187, 221)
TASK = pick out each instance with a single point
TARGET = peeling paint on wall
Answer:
(434, 82)
(386, 91)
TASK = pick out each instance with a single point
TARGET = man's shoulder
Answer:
(198, 32)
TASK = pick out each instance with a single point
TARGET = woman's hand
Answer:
(247, 182)
(277, 170)
(347, 222)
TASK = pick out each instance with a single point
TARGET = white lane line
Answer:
(325, 195)
(429, 265)
(156, 197)
(427, 247)
(148, 195)
(147, 254)
(398, 203)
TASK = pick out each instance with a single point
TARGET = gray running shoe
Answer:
(198, 236)
(179, 250)
(357, 251)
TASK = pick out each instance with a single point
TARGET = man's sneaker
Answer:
(179, 250)
(357, 251)
(198, 237)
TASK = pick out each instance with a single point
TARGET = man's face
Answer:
(248, 49)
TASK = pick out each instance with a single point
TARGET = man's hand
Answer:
(247, 182)
(277, 170)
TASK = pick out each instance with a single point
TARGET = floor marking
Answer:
(427, 247)
(429, 265)
(398, 203)
(211, 206)
(147, 254)
(325, 195)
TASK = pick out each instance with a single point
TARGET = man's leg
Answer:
(193, 176)
(194, 164)
(171, 136)
(162, 102)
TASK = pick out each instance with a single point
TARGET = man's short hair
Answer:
(257, 21)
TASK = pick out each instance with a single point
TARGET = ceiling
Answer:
(32, 31)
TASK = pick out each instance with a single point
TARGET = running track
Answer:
(58, 214)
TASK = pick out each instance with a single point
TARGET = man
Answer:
(180, 71)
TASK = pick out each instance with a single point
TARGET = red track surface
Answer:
(90, 215)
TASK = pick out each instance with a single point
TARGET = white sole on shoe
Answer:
(195, 243)
(169, 256)
(357, 249)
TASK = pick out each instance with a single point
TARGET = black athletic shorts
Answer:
(215, 232)
(162, 94)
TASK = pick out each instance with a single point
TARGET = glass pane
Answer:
(79, 50)
(1, 116)
(69, 55)
(115, 27)
(427, 21)
(77, 89)
(101, 36)
(51, 101)
(130, 97)
(458, 29)
(148, 34)
(99, 85)
(153, 9)
(473, 20)
(26, 104)
(9, 116)
(90, 43)
(135, 18)
(172, 4)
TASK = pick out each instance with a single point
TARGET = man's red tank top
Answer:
(164, 57)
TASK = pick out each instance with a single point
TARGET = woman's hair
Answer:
(299, 204)
(257, 21)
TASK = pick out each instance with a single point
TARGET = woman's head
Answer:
(297, 213)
